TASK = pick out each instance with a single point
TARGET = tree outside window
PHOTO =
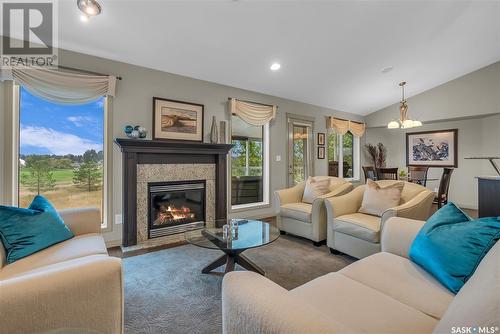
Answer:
(61, 152)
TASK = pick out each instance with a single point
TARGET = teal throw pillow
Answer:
(27, 231)
(451, 245)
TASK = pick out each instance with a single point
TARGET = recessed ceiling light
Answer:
(387, 69)
(84, 18)
(275, 67)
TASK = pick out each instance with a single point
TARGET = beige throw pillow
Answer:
(377, 199)
(314, 188)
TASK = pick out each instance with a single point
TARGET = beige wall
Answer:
(2, 145)
(471, 104)
(133, 105)
(475, 94)
(475, 138)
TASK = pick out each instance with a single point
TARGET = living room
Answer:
(251, 167)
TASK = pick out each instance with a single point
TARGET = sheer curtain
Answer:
(64, 87)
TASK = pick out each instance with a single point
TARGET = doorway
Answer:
(300, 149)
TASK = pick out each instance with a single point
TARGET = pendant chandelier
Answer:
(404, 122)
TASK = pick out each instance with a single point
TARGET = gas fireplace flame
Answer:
(170, 213)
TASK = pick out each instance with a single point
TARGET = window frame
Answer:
(265, 173)
(107, 214)
(356, 157)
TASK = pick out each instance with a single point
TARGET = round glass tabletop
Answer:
(234, 234)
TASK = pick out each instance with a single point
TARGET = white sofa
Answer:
(383, 293)
(73, 286)
(304, 219)
(358, 234)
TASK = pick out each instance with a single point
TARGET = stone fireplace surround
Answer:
(160, 160)
(171, 172)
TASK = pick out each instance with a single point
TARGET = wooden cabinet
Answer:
(489, 196)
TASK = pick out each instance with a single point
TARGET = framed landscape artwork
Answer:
(177, 120)
(432, 148)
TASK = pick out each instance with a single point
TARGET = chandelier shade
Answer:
(404, 122)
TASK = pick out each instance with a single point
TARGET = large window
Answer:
(248, 164)
(61, 152)
(343, 155)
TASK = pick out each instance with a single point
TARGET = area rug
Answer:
(165, 291)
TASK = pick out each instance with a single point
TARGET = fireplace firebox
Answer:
(175, 207)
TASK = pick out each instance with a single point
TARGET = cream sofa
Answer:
(383, 293)
(73, 286)
(305, 219)
(358, 234)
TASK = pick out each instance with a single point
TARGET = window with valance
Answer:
(250, 154)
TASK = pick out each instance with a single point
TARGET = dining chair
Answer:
(418, 174)
(387, 173)
(444, 185)
(370, 173)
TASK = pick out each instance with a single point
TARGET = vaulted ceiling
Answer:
(331, 53)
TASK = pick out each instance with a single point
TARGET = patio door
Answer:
(300, 149)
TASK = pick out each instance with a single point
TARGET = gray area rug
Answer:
(165, 291)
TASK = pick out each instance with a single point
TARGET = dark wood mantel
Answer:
(137, 151)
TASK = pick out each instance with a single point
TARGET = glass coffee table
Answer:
(233, 241)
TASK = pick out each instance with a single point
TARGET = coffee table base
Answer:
(230, 259)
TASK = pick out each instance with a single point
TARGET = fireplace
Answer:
(175, 207)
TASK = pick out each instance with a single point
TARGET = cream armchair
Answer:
(72, 286)
(358, 234)
(304, 219)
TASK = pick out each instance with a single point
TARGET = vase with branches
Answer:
(377, 154)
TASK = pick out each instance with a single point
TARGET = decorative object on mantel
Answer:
(378, 154)
(341, 126)
(321, 139)
(214, 135)
(321, 152)
(251, 112)
(135, 132)
(432, 148)
(177, 120)
(404, 122)
(223, 133)
(491, 160)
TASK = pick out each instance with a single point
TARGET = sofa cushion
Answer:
(79, 246)
(27, 231)
(300, 211)
(377, 199)
(450, 246)
(477, 303)
(315, 187)
(402, 280)
(359, 225)
(360, 307)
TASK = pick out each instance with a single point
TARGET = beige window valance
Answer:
(64, 87)
(252, 113)
(341, 126)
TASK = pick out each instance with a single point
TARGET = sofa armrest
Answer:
(289, 195)
(398, 235)
(86, 293)
(82, 220)
(418, 208)
(253, 304)
(345, 204)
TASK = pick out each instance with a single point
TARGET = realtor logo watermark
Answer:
(29, 33)
(474, 330)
